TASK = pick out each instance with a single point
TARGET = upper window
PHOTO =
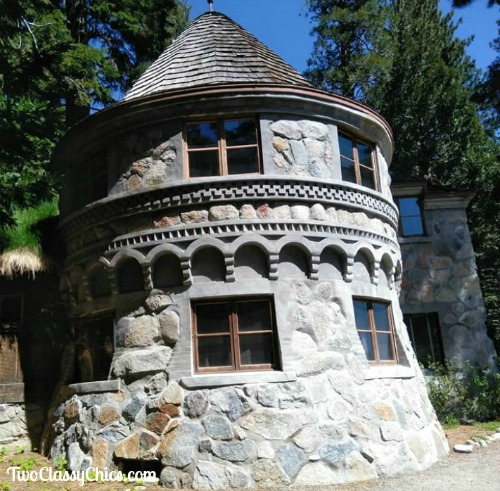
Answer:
(411, 223)
(90, 180)
(357, 161)
(425, 337)
(375, 328)
(232, 335)
(221, 148)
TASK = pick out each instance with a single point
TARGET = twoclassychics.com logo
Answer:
(92, 474)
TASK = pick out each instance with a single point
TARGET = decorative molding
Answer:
(255, 188)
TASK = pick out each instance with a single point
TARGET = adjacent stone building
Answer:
(232, 279)
(440, 293)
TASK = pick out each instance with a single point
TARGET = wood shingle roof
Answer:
(214, 50)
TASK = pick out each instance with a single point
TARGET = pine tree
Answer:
(58, 60)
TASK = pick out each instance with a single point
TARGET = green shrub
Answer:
(466, 393)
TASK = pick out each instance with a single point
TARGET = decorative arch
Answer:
(386, 271)
(208, 264)
(294, 261)
(167, 271)
(129, 276)
(332, 263)
(364, 265)
(251, 261)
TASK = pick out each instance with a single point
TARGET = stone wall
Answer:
(440, 275)
(21, 425)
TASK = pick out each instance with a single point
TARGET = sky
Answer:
(284, 27)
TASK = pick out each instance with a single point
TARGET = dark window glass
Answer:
(204, 164)
(214, 351)
(374, 326)
(256, 349)
(348, 170)
(242, 161)
(364, 155)
(240, 132)
(346, 147)
(410, 216)
(367, 177)
(253, 316)
(425, 336)
(202, 135)
(212, 318)
(234, 335)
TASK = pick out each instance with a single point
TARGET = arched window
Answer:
(362, 267)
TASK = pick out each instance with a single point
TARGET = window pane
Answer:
(214, 351)
(202, 135)
(240, 132)
(384, 346)
(365, 155)
(256, 349)
(204, 164)
(346, 147)
(242, 161)
(212, 318)
(380, 315)
(11, 310)
(361, 316)
(367, 177)
(409, 206)
(411, 226)
(366, 341)
(348, 173)
(254, 316)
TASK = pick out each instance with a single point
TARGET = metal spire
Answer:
(210, 5)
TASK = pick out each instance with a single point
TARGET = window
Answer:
(425, 337)
(411, 222)
(357, 162)
(94, 347)
(90, 180)
(221, 148)
(235, 334)
(375, 328)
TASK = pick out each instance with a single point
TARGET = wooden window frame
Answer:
(221, 146)
(234, 334)
(432, 321)
(420, 202)
(373, 329)
(357, 164)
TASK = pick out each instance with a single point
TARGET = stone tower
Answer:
(232, 276)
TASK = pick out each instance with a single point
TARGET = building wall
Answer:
(440, 275)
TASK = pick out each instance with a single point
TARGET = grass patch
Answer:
(487, 425)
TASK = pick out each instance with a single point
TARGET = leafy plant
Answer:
(466, 393)
(61, 462)
(26, 464)
(5, 486)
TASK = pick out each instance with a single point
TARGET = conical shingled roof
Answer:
(214, 50)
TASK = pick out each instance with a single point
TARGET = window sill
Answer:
(223, 379)
(93, 387)
(423, 239)
(391, 371)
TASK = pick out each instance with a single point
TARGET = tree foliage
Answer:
(58, 59)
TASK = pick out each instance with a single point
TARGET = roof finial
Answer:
(210, 5)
